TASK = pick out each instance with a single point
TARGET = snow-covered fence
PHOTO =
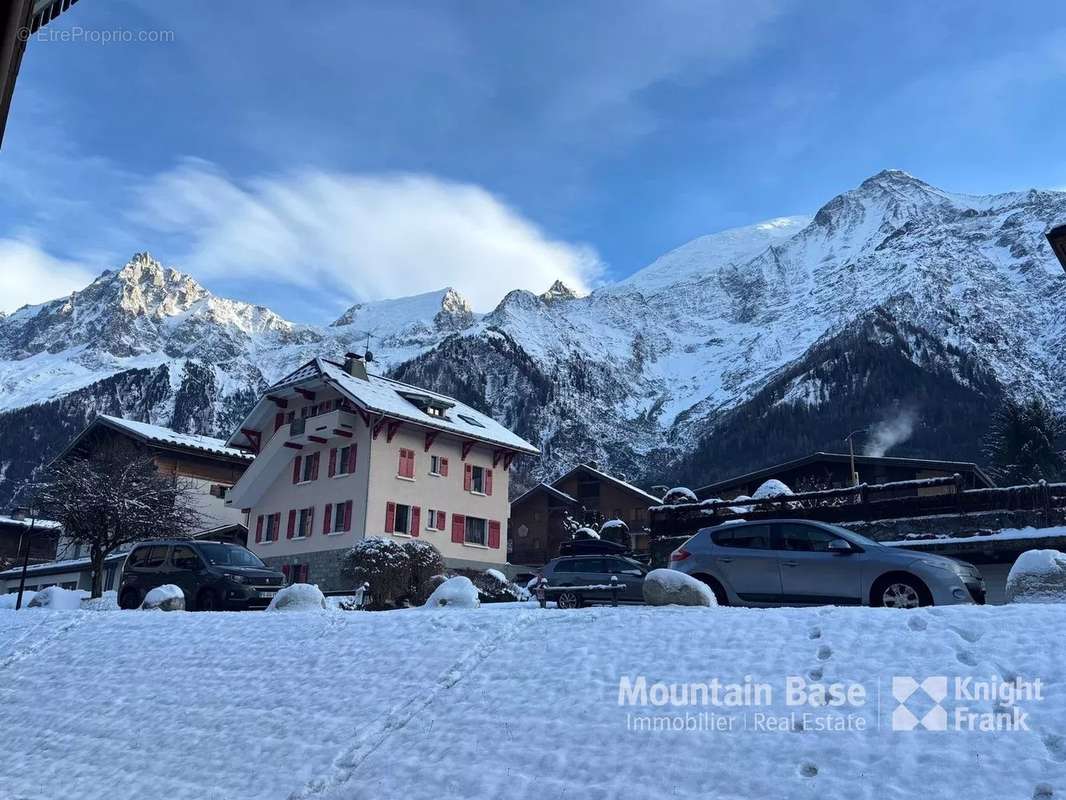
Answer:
(866, 502)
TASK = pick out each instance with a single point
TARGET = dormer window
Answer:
(433, 411)
(428, 404)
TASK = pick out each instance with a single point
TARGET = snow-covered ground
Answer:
(514, 701)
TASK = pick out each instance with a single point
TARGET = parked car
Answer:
(801, 562)
(215, 576)
(567, 575)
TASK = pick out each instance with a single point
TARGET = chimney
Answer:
(355, 366)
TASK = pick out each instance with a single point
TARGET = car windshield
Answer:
(230, 555)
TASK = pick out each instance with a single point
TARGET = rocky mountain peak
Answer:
(558, 291)
(455, 312)
(147, 288)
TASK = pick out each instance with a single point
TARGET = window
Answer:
(478, 480)
(435, 520)
(406, 468)
(270, 528)
(137, 558)
(303, 523)
(184, 557)
(157, 554)
(109, 578)
(344, 457)
(310, 470)
(752, 537)
(805, 538)
(338, 518)
(433, 411)
(220, 554)
(402, 519)
(469, 420)
(69, 585)
(438, 465)
(476, 531)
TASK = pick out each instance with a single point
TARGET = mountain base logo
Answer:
(939, 703)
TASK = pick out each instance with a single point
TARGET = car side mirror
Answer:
(839, 546)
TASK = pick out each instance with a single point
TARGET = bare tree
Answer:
(114, 498)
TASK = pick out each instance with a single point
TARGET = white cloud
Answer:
(369, 236)
(28, 275)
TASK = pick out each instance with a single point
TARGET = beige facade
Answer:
(406, 480)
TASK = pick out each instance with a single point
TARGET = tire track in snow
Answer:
(378, 732)
(38, 645)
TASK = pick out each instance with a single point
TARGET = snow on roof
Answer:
(25, 523)
(385, 396)
(55, 567)
(617, 481)
(168, 438)
(544, 487)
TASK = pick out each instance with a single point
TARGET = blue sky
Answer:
(307, 156)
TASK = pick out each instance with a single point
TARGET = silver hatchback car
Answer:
(800, 562)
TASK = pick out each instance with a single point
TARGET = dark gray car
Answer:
(801, 562)
(568, 575)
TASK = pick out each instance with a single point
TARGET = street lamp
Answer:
(20, 512)
(851, 449)
(1057, 239)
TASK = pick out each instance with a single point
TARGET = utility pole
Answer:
(28, 536)
(851, 449)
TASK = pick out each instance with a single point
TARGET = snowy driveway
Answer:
(511, 702)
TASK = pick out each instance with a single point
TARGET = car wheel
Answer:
(568, 600)
(716, 587)
(901, 593)
(207, 600)
(129, 599)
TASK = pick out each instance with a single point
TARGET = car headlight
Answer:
(235, 578)
(947, 566)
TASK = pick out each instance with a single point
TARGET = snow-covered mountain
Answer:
(732, 351)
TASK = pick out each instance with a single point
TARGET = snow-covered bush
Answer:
(108, 601)
(1038, 576)
(668, 587)
(585, 533)
(57, 598)
(426, 561)
(679, 495)
(167, 597)
(495, 588)
(771, 488)
(740, 509)
(615, 530)
(7, 601)
(298, 597)
(457, 592)
(383, 563)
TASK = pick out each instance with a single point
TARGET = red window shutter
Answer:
(442, 520)
(351, 458)
(348, 516)
(332, 461)
(494, 533)
(410, 463)
(468, 477)
(277, 526)
(458, 528)
(400, 466)
(259, 529)
(443, 465)
(488, 482)
(390, 517)
(285, 570)
(416, 512)
(314, 465)
(310, 521)
(296, 469)
(292, 523)
(327, 518)
(279, 420)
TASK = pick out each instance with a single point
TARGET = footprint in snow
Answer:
(815, 633)
(967, 658)
(808, 770)
(1056, 746)
(970, 636)
(917, 624)
(1043, 791)
(824, 652)
(815, 674)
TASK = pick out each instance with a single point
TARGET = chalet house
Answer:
(833, 470)
(42, 539)
(344, 454)
(587, 494)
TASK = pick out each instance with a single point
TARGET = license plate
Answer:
(266, 595)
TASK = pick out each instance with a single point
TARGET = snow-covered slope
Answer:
(731, 351)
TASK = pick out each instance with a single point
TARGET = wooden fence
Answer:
(865, 503)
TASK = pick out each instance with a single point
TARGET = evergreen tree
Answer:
(1024, 443)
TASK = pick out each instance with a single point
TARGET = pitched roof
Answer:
(610, 479)
(548, 489)
(25, 523)
(381, 395)
(164, 437)
(890, 461)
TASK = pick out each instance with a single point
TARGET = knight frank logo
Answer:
(930, 694)
(937, 703)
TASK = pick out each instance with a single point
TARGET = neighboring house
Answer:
(208, 464)
(588, 495)
(344, 454)
(75, 571)
(833, 470)
(43, 539)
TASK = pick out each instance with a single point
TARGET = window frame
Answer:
(272, 526)
(405, 530)
(484, 532)
(476, 471)
(305, 518)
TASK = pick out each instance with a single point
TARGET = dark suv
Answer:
(215, 576)
(568, 577)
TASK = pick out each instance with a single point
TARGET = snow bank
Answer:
(457, 592)
(57, 599)
(1038, 576)
(740, 509)
(7, 601)
(167, 597)
(108, 601)
(771, 488)
(666, 587)
(298, 597)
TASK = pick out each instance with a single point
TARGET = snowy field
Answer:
(515, 702)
